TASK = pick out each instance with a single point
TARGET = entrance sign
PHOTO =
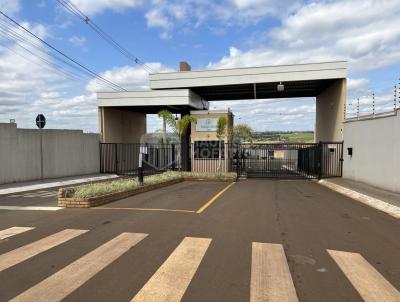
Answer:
(40, 121)
(332, 146)
(206, 125)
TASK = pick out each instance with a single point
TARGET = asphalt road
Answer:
(296, 222)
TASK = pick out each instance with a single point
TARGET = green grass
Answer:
(303, 137)
(127, 184)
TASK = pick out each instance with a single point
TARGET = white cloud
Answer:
(93, 7)
(129, 77)
(366, 33)
(78, 41)
(10, 7)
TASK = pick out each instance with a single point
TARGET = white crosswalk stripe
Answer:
(171, 280)
(369, 283)
(13, 231)
(27, 251)
(58, 286)
(270, 275)
(270, 278)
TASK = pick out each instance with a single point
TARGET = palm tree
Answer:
(221, 134)
(165, 115)
(179, 126)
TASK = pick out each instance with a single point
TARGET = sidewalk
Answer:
(386, 201)
(52, 183)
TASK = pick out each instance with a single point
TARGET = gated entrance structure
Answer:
(122, 115)
(283, 160)
(122, 119)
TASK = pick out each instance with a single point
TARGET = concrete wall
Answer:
(65, 153)
(376, 152)
(121, 125)
(330, 112)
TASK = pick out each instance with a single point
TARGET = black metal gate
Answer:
(283, 160)
(290, 160)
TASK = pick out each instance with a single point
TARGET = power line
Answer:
(81, 66)
(77, 12)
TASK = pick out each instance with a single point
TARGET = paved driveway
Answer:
(261, 239)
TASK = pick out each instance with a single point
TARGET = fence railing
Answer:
(288, 160)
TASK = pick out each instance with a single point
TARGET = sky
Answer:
(209, 35)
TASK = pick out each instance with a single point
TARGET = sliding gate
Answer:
(290, 160)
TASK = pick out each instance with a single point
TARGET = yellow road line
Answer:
(369, 283)
(270, 274)
(208, 203)
(171, 280)
(146, 209)
(62, 283)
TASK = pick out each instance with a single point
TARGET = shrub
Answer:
(127, 184)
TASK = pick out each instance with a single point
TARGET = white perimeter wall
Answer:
(65, 153)
(376, 152)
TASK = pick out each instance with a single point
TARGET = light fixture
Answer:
(280, 87)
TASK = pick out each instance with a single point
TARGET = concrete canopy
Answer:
(300, 80)
(175, 100)
(183, 91)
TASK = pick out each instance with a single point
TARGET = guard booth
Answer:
(208, 152)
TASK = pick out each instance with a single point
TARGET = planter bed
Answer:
(74, 202)
(100, 200)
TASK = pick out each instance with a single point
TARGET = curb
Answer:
(375, 203)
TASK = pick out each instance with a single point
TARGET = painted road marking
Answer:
(369, 283)
(28, 208)
(270, 274)
(28, 251)
(171, 280)
(214, 198)
(61, 284)
(13, 231)
(48, 185)
(144, 209)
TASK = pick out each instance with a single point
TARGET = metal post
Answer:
(395, 98)
(41, 154)
(358, 108)
(373, 104)
(140, 174)
(319, 158)
(398, 92)
(173, 156)
(116, 159)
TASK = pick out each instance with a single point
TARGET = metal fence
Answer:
(282, 160)
(123, 159)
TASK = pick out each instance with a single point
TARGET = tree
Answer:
(179, 126)
(165, 115)
(242, 133)
(221, 134)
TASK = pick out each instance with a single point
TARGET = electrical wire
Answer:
(83, 68)
(71, 7)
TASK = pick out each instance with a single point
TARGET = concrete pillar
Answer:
(121, 125)
(330, 112)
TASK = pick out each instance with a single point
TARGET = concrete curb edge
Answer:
(378, 204)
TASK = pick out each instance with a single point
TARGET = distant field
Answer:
(304, 137)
